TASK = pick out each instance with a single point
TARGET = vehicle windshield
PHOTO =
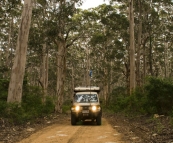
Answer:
(84, 98)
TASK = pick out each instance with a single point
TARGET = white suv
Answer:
(86, 105)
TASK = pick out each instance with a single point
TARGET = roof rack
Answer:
(88, 88)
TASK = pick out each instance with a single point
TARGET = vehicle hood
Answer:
(85, 104)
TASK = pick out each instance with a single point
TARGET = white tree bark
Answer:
(44, 72)
(60, 76)
(18, 69)
(132, 47)
(61, 63)
(138, 64)
(88, 67)
(72, 82)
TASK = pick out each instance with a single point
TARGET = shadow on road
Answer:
(87, 123)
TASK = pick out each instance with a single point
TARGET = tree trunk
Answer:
(166, 63)
(127, 76)
(44, 71)
(132, 47)
(144, 63)
(138, 73)
(7, 51)
(88, 67)
(105, 93)
(18, 70)
(72, 82)
(60, 76)
(150, 56)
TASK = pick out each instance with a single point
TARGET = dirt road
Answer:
(88, 132)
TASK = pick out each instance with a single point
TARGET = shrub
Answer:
(30, 108)
(3, 106)
(48, 106)
(3, 89)
(138, 101)
(32, 101)
(156, 96)
(117, 100)
(14, 113)
(160, 95)
(66, 106)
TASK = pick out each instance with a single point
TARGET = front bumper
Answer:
(86, 112)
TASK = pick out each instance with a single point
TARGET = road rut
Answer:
(88, 132)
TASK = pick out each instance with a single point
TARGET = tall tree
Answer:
(65, 13)
(132, 47)
(18, 70)
(138, 48)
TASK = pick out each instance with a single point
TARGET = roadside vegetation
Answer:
(154, 97)
(31, 107)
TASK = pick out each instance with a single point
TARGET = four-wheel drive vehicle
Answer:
(86, 105)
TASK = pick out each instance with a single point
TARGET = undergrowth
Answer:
(31, 107)
(155, 97)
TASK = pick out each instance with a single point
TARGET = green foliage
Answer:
(118, 100)
(160, 94)
(134, 103)
(3, 105)
(3, 89)
(32, 105)
(98, 38)
(137, 102)
(3, 70)
(32, 99)
(27, 111)
(156, 96)
(48, 106)
(14, 113)
(66, 106)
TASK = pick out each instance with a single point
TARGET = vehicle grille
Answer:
(85, 107)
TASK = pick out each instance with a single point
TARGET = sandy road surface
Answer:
(88, 132)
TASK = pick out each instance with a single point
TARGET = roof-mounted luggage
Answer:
(83, 89)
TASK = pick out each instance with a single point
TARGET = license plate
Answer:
(85, 111)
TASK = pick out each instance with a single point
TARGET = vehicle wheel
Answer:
(73, 119)
(98, 120)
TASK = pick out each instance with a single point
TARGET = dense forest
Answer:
(48, 47)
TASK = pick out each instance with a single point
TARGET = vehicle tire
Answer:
(93, 120)
(98, 120)
(73, 119)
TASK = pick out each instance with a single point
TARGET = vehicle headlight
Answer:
(77, 108)
(94, 108)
